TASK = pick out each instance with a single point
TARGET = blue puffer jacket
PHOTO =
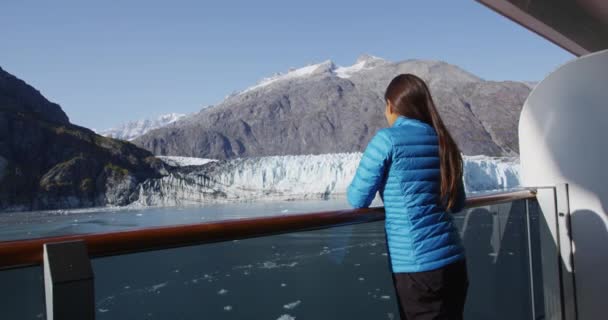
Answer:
(402, 162)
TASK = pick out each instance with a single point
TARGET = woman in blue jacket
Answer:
(417, 168)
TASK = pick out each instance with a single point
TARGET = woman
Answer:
(417, 167)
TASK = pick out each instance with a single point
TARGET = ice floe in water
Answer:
(292, 305)
(158, 286)
(274, 265)
(222, 292)
(286, 317)
(227, 308)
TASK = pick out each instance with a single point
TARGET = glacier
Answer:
(293, 178)
(176, 161)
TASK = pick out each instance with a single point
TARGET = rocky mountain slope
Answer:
(46, 162)
(323, 108)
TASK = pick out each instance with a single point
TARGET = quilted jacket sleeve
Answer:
(371, 171)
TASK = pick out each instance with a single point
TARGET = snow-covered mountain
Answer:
(295, 177)
(131, 130)
(324, 108)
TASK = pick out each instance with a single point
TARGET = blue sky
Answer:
(107, 62)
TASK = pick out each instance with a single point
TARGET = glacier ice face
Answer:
(176, 161)
(482, 173)
(295, 177)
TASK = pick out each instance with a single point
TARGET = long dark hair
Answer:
(411, 98)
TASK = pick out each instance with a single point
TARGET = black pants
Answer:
(437, 294)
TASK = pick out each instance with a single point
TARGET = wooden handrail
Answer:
(20, 253)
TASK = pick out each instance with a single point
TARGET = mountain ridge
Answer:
(131, 130)
(46, 162)
(324, 108)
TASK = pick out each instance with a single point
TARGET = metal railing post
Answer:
(68, 281)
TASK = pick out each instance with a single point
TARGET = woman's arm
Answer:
(371, 171)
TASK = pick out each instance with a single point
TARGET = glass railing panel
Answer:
(496, 242)
(538, 257)
(22, 294)
(336, 273)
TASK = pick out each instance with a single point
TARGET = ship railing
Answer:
(506, 236)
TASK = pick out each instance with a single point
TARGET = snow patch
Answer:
(365, 62)
(134, 129)
(292, 74)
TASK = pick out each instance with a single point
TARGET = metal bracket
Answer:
(68, 281)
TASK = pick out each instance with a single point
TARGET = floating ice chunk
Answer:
(292, 305)
(222, 292)
(286, 317)
(102, 310)
(227, 308)
(385, 297)
(283, 285)
(274, 265)
(158, 286)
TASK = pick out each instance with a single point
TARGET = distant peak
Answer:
(325, 66)
(311, 69)
(364, 62)
(368, 58)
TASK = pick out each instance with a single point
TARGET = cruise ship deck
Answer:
(535, 253)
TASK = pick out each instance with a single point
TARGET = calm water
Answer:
(24, 225)
(338, 273)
